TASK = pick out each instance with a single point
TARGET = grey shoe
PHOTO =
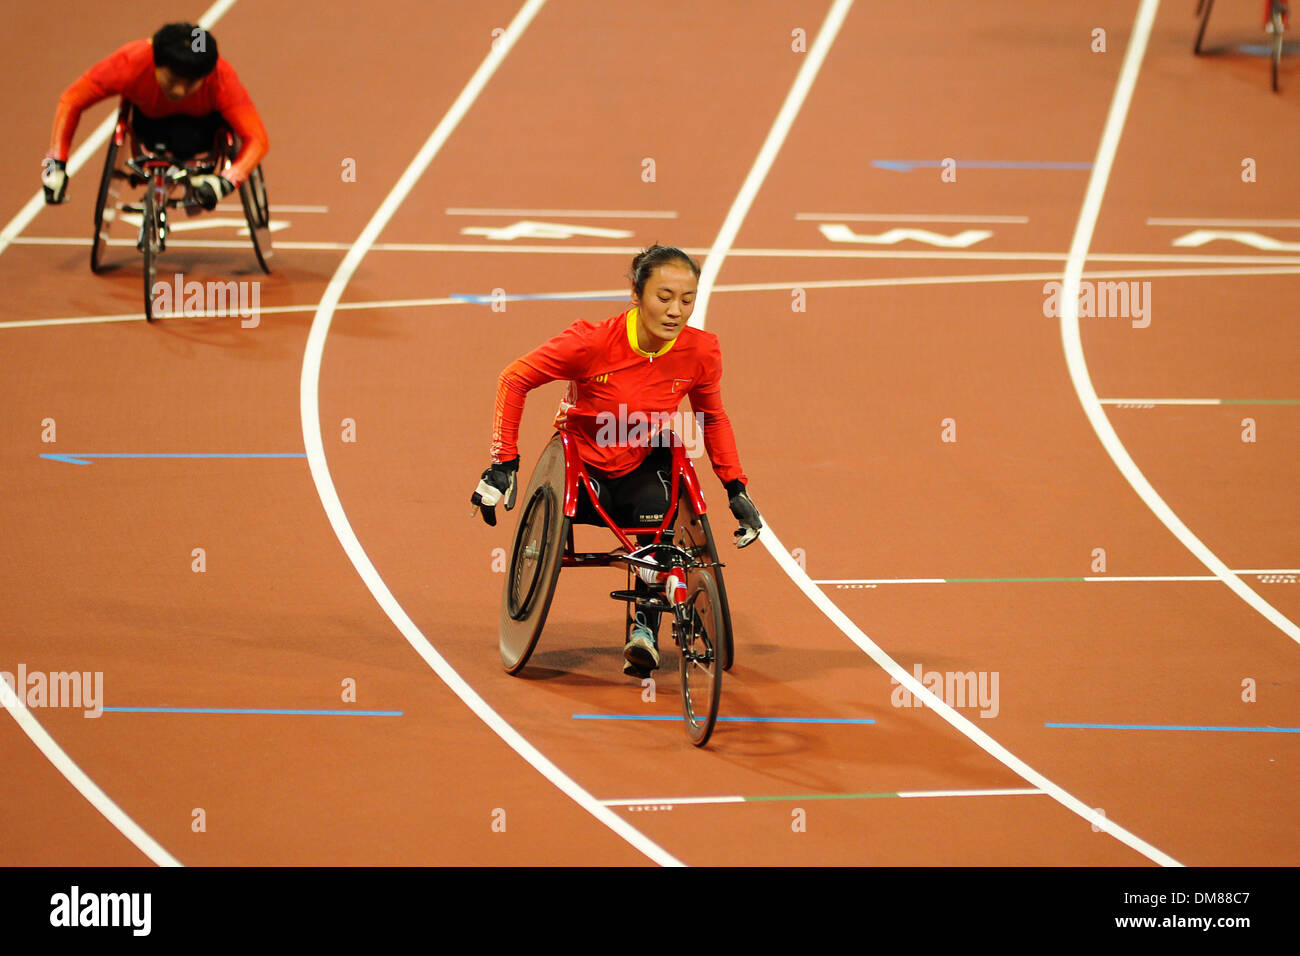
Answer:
(640, 654)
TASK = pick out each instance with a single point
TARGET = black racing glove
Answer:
(210, 190)
(496, 483)
(54, 180)
(745, 511)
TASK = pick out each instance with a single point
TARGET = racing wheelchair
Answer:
(167, 186)
(680, 563)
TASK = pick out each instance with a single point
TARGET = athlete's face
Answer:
(175, 87)
(665, 306)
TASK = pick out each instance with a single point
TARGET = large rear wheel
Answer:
(1275, 21)
(1203, 8)
(257, 213)
(106, 207)
(536, 556)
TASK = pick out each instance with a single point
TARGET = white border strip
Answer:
(569, 213)
(900, 217)
(29, 724)
(1073, 343)
(773, 544)
(316, 459)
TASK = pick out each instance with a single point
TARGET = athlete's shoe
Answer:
(640, 655)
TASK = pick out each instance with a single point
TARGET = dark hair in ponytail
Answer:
(647, 260)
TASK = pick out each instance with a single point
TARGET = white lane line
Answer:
(1273, 223)
(227, 207)
(965, 279)
(900, 217)
(736, 798)
(315, 447)
(96, 139)
(570, 213)
(763, 253)
(1242, 402)
(1100, 578)
(30, 726)
(673, 801)
(78, 778)
(782, 557)
(1073, 344)
(1160, 401)
(766, 156)
(1009, 792)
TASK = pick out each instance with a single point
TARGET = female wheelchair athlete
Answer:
(164, 176)
(680, 562)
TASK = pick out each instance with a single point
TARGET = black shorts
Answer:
(640, 497)
(180, 136)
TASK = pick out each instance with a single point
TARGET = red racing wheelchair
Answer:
(681, 550)
(166, 180)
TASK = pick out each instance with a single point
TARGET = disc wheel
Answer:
(691, 533)
(257, 213)
(106, 207)
(151, 247)
(701, 668)
(536, 554)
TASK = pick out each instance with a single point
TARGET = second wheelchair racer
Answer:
(642, 362)
(181, 93)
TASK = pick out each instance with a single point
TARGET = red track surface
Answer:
(837, 410)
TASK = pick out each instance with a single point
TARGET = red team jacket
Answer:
(130, 73)
(606, 370)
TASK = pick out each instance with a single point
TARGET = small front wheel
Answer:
(698, 629)
(151, 247)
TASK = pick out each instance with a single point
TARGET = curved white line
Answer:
(1073, 343)
(79, 779)
(712, 266)
(315, 447)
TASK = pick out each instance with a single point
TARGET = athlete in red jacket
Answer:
(628, 370)
(181, 92)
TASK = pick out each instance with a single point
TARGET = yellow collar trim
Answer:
(632, 338)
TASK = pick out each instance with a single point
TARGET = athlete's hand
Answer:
(54, 180)
(746, 513)
(495, 484)
(210, 190)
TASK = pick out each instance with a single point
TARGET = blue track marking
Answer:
(83, 458)
(539, 297)
(907, 165)
(1240, 730)
(738, 720)
(252, 710)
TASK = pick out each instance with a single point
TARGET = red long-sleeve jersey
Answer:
(612, 381)
(129, 72)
